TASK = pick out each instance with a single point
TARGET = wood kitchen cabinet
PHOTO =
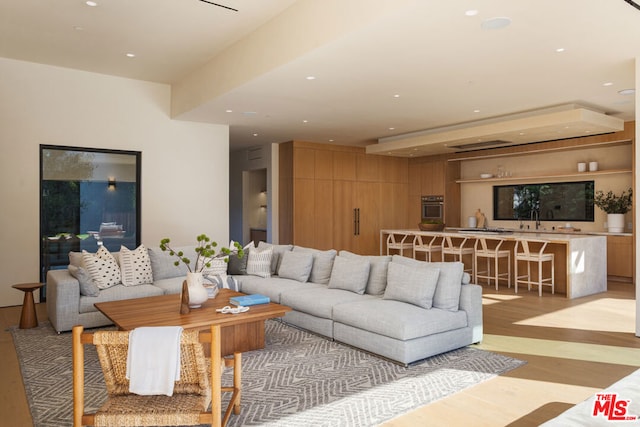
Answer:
(338, 197)
(620, 257)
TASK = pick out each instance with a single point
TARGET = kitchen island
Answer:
(580, 259)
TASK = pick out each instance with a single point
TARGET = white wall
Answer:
(185, 168)
(636, 188)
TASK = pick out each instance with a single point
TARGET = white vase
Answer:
(615, 223)
(197, 292)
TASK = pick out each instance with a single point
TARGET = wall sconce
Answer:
(111, 186)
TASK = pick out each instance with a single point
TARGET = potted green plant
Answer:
(205, 255)
(615, 207)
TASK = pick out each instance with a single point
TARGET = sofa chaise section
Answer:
(407, 333)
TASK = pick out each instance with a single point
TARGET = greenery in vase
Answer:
(613, 204)
(206, 252)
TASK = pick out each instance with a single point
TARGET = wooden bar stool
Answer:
(399, 242)
(459, 247)
(533, 251)
(489, 249)
(427, 244)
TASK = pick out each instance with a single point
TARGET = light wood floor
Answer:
(573, 348)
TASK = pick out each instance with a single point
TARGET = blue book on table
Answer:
(247, 300)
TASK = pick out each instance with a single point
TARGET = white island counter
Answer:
(580, 259)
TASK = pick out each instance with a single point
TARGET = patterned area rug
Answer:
(298, 379)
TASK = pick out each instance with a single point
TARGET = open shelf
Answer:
(544, 177)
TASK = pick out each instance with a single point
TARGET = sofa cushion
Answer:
(135, 266)
(170, 285)
(319, 302)
(278, 252)
(259, 262)
(414, 285)
(377, 274)
(447, 295)
(163, 265)
(273, 287)
(322, 264)
(296, 266)
(87, 287)
(402, 321)
(103, 268)
(350, 274)
(116, 293)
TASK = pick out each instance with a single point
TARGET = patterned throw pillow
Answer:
(222, 281)
(218, 266)
(135, 266)
(259, 262)
(103, 268)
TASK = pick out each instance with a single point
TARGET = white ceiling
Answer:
(445, 68)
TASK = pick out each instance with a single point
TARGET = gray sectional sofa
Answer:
(396, 307)
(402, 309)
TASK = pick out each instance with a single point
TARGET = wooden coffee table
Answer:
(240, 332)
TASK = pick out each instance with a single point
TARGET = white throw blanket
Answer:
(153, 360)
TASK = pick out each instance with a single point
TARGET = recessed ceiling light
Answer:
(255, 134)
(392, 128)
(305, 121)
(560, 50)
(131, 55)
(476, 111)
(228, 111)
(331, 140)
(471, 12)
(397, 95)
(91, 3)
(627, 92)
(311, 77)
(78, 28)
(607, 84)
(497, 23)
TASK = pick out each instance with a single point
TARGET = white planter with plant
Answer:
(206, 254)
(615, 207)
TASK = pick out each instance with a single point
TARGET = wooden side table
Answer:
(28, 317)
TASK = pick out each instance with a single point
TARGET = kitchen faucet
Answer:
(535, 215)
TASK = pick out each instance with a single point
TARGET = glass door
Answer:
(88, 198)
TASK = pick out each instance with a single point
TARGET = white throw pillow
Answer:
(103, 268)
(217, 266)
(135, 266)
(259, 262)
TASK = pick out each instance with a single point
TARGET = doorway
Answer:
(254, 205)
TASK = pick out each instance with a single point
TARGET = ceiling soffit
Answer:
(568, 121)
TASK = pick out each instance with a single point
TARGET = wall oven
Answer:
(433, 208)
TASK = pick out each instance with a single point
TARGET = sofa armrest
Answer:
(63, 299)
(471, 303)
